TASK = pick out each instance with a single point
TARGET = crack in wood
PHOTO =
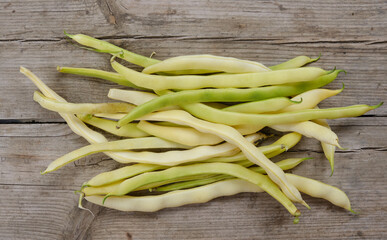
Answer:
(272, 41)
(62, 187)
(30, 121)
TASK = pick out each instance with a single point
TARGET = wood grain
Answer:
(351, 35)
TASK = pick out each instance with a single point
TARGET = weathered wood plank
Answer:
(53, 211)
(361, 63)
(289, 21)
(39, 212)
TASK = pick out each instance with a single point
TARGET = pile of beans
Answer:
(188, 128)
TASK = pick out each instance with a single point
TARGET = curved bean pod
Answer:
(328, 149)
(135, 143)
(310, 99)
(103, 46)
(312, 130)
(294, 63)
(226, 95)
(318, 189)
(234, 137)
(81, 108)
(207, 168)
(206, 61)
(189, 82)
(90, 72)
(129, 130)
(284, 165)
(176, 198)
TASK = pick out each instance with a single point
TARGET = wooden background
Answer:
(351, 35)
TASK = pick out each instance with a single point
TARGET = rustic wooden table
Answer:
(351, 35)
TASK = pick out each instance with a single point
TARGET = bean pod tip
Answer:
(378, 105)
(316, 59)
(353, 211)
(67, 34)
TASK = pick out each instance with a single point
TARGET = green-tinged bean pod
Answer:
(129, 130)
(318, 189)
(234, 137)
(190, 82)
(90, 72)
(207, 113)
(263, 106)
(284, 165)
(210, 62)
(103, 46)
(294, 63)
(312, 130)
(126, 144)
(81, 108)
(226, 95)
(206, 168)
